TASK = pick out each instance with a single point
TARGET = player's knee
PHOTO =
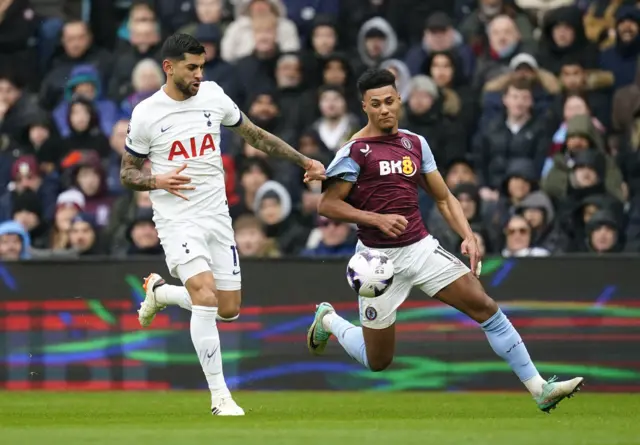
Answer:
(380, 363)
(484, 308)
(203, 295)
(229, 313)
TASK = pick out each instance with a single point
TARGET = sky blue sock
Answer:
(506, 342)
(351, 339)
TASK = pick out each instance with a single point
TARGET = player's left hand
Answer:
(470, 249)
(315, 172)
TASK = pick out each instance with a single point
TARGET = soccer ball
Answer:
(370, 273)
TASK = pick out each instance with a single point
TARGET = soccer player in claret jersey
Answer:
(178, 130)
(373, 182)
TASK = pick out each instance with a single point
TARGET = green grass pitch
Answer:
(306, 418)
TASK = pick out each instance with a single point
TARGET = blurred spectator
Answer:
(440, 35)
(377, 41)
(574, 216)
(632, 235)
(123, 214)
(254, 173)
(603, 234)
(257, 71)
(243, 36)
(574, 105)
(83, 236)
(84, 82)
(69, 204)
(505, 41)
(291, 93)
(582, 136)
(593, 85)
(216, 69)
(336, 125)
(338, 72)
(88, 176)
(27, 210)
(337, 239)
(622, 58)
(26, 176)
(474, 26)
(403, 77)
(444, 67)
(14, 242)
(322, 42)
(517, 135)
(304, 12)
(208, 12)
(17, 106)
(43, 140)
(143, 236)
(626, 106)
(524, 67)
(600, 21)
(273, 207)
(459, 171)
(563, 39)
(519, 182)
(629, 158)
(140, 12)
(174, 14)
(538, 210)
(251, 239)
(518, 240)
(144, 44)
(84, 131)
(474, 210)
(77, 43)
(147, 78)
(431, 113)
(116, 144)
(18, 38)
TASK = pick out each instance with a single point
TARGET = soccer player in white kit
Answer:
(178, 130)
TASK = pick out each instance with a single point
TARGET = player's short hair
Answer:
(375, 78)
(177, 45)
(519, 83)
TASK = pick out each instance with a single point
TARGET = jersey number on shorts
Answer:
(234, 250)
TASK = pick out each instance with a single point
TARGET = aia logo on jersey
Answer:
(193, 149)
(405, 167)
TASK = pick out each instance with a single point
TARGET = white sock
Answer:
(327, 319)
(169, 294)
(534, 385)
(206, 341)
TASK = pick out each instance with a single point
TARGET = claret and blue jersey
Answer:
(385, 172)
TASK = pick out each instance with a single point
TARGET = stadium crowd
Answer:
(531, 107)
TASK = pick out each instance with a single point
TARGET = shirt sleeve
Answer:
(232, 116)
(344, 166)
(428, 161)
(137, 141)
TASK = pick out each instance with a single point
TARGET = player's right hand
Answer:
(174, 182)
(392, 225)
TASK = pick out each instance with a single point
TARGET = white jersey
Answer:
(172, 133)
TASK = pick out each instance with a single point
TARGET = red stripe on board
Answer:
(85, 386)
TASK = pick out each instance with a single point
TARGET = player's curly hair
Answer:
(177, 45)
(375, 78)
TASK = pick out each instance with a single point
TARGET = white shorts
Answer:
(201, 244)
(424, 264)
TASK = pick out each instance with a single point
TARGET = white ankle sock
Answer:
(169, 294)
(534, 385)
(205, 338)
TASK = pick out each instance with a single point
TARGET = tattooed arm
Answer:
(269, 143)
(132, 175)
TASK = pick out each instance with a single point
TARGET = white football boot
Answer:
(150, 307)
(226, 406)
